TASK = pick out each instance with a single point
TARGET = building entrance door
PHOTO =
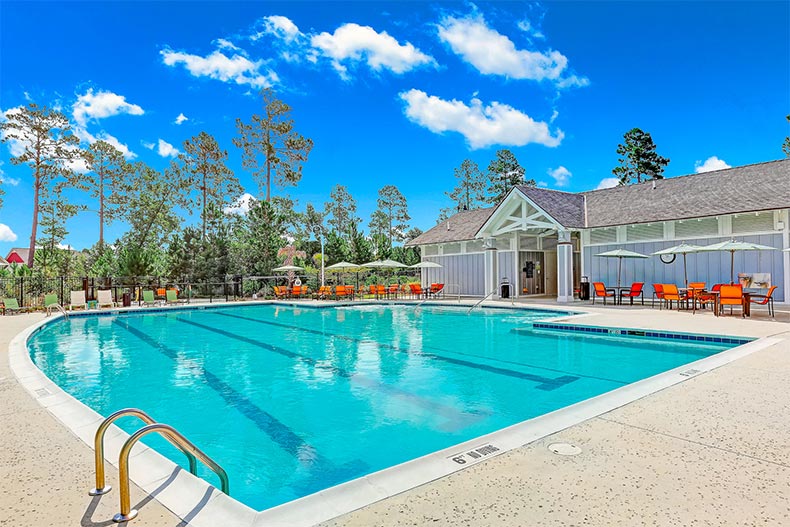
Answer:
(550, 273)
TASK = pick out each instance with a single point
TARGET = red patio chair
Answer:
(762, 300)
(635, 291)
(599, 289)
(658, 294)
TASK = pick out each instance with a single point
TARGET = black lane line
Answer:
(459, 417)
(543, 383)
(270, 425)
(323, 472)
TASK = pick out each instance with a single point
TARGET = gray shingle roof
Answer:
(463, 226)
(565, 207)
(749, 188)
(764, 186)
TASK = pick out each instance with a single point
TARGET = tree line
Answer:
(198, 181)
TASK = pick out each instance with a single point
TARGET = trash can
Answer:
(584, 289)
(504, 287)
(127, 300)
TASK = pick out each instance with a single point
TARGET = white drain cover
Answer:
(565, 449)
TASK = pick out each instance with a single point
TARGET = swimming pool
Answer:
(292, 400)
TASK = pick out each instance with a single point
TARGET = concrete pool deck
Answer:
(713, 450)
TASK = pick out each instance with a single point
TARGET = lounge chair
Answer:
(600, 290)
(299, 291)
(78, 300)
(658, 294)
(171, 297)
(148, 298)
(350, 293)
(731, 295)
(634, 292)
(762, 300)
(381, 291)
(10, 305)
(50, 299)
(671, 294)
(104, 298)
(436, 290)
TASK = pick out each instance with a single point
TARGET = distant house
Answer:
(543, 241)
(18, 255)
(3, 263)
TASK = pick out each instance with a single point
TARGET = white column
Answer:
(564, 267)
(492, 265)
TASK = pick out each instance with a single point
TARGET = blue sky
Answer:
(402, 92)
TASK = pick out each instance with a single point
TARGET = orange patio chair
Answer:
(708, 297)
(762, 300)
(416, 290)
(600, 290)
(634, 292)
(671, 294)
(280, 291)
(381, 291)
(350, 293)
(299, 291)
(731, 295)
(323, 293)
(340, 292)
(393, 290)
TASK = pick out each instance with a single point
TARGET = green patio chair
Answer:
(50, 299)
(148, 298)
(172, 297)
(10, 305)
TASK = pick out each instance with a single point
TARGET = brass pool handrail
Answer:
(175, 437)
(98, 447)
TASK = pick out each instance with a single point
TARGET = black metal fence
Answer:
(30, 290)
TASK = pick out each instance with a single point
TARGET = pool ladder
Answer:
(481, 301)
(59, 308)
(172, 435)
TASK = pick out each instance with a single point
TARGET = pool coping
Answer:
(152, 471)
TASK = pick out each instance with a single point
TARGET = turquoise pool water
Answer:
(293, 400)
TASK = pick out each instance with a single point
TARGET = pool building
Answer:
(544, 241)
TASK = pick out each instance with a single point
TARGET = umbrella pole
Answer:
(732, 267)
(619, 267)
(685, 272)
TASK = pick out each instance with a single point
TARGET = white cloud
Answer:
(217, 65)
(242, 205)
(7, 180)
(227, 44)
(16, 147)
(86, 137)
(181, 118)
(710, 164)
(493, 53)
(6, 234)
(561, 176)
(527, 27)
(149, 146)
(482, 126)
(278, 26)
(65, 246)
(165, 149)
(355, 43)
(94, 106)
(608, 182)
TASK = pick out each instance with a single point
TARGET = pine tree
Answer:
(639, 160)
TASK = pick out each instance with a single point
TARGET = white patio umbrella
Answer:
(287, 268)
(343, 266)
(620, 254)
(684, 248)
(731, 246)
(426, 265)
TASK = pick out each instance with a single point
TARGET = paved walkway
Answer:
(714, 450)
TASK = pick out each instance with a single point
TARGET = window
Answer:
(430, 250)
(751, 222)
(696, 228)
(644, 232)
(605, 235)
